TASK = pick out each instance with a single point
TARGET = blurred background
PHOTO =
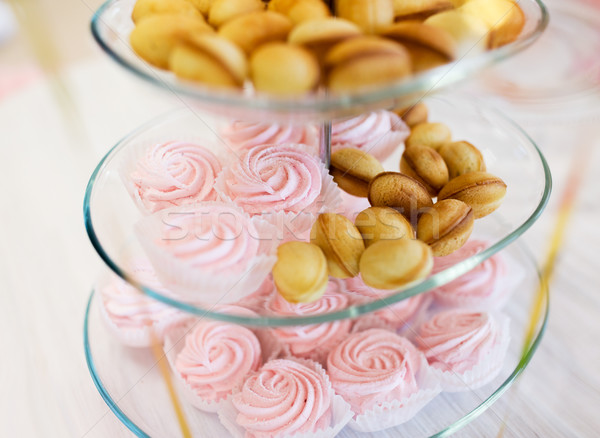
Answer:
(63, 103)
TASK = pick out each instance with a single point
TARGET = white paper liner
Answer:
(294, 225)
(137, 149)
(482, 373)
(206, 286)
(341, 413)
(505, 286)
(396, 412)
(143, 336)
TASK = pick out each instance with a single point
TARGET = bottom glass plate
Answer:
(130, 381)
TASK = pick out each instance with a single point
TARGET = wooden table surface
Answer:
(48, 265)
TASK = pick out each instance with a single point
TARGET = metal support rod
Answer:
(325, 143)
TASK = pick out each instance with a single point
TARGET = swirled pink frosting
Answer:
(378, 133)
(284, 398)
(458, 340)
(373, 367)
(130, 309)
(478, 287)
(213, 236)
(245, 135)
(274, 178)
(315, 340)
(217, 357)
(175, 173)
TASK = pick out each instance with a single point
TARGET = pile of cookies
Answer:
(293, 47)
(442, 187)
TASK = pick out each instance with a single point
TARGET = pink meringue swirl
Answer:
(175, 173)
(479, 286)
(315, 340)
(212, 236)
(378, 133)
(245, 135)
(128, 307)
(216, 358)
(284, 398)
(274, 178)
(458, 340)
(373, 367)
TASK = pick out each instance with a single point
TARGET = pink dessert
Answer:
(174, 173)
(274, 178)
(311, 341)
(467, 347)
(395, 316)
(136, 319)
(379, 133)
(212, 251)
(216, 358)
(245, 135)
(285, 184)
(483, 287)
(374, 367)
(283, 398)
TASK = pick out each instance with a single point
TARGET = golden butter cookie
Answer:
(341, 243)
(382, 223)
(155, 36)
(353, 170)
(300, 273)
(446, 226)
(392, 264)
(482, 191)
(251, 30)
(284, 69)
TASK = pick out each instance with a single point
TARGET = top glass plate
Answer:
(111, 26)
(110, 213)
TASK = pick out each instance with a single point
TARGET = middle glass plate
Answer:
(111, 214)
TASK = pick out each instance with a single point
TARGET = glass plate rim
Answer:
(349, 312)
(424, 82)
(526, 357)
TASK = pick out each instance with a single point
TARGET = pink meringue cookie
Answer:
(136, 319)
(285, 184)
(395, 316)
(379, 133)
(272, 178)
(216, 358)
(211, 252)
(374, 367)
(483, 287)
(174, 173)
(468, 347)
(285, 397)
(245, 135)
(315, 340)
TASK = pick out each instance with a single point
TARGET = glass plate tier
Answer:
(133, 387)
(111, 26)
(111, 214)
